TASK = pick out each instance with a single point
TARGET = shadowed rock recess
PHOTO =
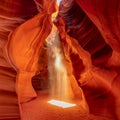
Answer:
(71, 49)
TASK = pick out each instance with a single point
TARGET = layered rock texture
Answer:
(89, 32)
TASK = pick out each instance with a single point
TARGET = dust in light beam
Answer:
(60, 86)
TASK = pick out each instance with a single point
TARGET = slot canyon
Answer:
(61, 51)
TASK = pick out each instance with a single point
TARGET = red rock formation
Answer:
(106, 17)
(12, 14)
(89, 32)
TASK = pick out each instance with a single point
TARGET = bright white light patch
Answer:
(61, 103)
(57, 62)
(58, 1)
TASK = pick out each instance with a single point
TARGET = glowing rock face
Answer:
(61, 103)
